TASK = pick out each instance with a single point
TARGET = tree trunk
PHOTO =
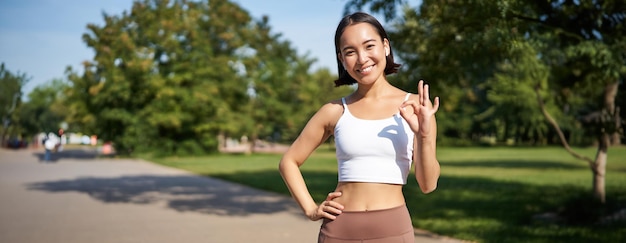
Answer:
(610, 93)
(616, 139)
(599, 168)
(605, 135)
(604, 141)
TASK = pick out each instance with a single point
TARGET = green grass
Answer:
(484, 194)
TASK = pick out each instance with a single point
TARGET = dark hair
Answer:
(355, 18)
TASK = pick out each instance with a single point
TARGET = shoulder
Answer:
(332, 106)
(331, 110)
(328, 115)
(322, 123)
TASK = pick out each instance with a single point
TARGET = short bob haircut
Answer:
(355, 18)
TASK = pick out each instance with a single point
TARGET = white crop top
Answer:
(378, 151)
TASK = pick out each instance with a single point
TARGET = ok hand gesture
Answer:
(422, 114)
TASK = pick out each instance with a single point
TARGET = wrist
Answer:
(311, 213)
(425, 136)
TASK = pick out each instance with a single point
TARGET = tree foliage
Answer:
(170, 76)
(44, 111)
(464, 47)
(487, 58)
(11, 85)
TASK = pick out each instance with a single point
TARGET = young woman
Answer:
(380, 131)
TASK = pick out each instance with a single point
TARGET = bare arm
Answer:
(314, 133)
(421, 119)
(427, 169)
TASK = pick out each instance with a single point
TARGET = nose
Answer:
(361, 57)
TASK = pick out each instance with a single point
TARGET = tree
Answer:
(275, 73)
(10, 99)
(162, 80)
(591, 37)
(44, 111)
(286, 94)
(451, 45)
(168, 77)
(510, 92)
(466, 43)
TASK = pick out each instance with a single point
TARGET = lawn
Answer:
(484, 194)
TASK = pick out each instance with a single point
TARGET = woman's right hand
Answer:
(328, 208)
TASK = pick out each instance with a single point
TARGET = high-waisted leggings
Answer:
(388, 225)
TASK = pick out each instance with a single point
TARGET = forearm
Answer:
(427, 169)
(292, 176)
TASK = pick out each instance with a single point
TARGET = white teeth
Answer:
(367, 69)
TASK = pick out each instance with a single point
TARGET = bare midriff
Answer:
(365, 196)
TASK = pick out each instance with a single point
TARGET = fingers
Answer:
(426, 95)
(420, 91)
(329, 208)
(410, 103)
(336, 207)
(333, 195)
(406, 114)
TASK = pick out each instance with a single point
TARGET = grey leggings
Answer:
(387, 225)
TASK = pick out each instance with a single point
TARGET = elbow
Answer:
(282, 166)
(285, 165)
(428, 189)
(428, 185)
(428, 180)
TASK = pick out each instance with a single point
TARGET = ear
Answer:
(386, 46)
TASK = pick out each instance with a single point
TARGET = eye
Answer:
(370, 46)
(348, 53)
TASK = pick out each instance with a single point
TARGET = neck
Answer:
(374, 90)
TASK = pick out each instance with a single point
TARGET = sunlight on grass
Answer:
(484, 194)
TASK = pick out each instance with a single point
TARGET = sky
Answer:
(40, 38)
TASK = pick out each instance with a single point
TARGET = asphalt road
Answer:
(79, 197)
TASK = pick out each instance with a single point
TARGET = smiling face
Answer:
(362, 52)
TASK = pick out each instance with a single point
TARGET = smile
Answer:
(366, 70)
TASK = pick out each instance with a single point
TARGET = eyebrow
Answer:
(364, 42)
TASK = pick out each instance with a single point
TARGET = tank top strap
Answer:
(343, 101)
(407, 96)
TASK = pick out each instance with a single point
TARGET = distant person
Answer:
(107, 148)
(49, 145)
(61, 140)
(381, 133)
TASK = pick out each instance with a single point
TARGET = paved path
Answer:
(81, 198)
